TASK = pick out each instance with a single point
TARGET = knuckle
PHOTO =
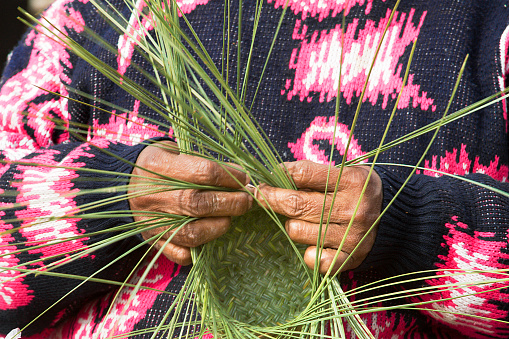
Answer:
(150, 158)
(361, 253)
(367, 215)
(361, 217)
(294, 205)
(374, 190)
(242, 204)
(196, 203)
(354, 239)
(202, 203)
(207, 172)
(303, 172)
(350, 264)
(357, 177)
(193, 236)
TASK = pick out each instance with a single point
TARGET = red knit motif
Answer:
(126, 42)
(42, 197)
(504, 64)
(139, 26)
(316, 62)
(47, 193)
(19, 89)
(452, 164)
(13, 292)
(471, 259)
(126, 128)
(384, 325)
(126, 309)
(322, 128)
(322, 8)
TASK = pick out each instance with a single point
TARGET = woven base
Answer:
(255, 275)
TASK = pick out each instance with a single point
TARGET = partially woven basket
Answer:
(253, 275)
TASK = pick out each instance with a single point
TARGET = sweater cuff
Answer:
(410, 233)
(130, 153)
(119, 160)
(123, 160)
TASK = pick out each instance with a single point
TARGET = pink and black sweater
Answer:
(436, 223)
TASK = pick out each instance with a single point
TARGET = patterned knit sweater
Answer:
(437, 222)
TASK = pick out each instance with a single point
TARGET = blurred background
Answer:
(12, 29)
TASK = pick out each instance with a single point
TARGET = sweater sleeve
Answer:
(451, 226)
(46, 180)
(432, 214)
(458, 227)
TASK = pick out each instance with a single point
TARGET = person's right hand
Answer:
(214, 208)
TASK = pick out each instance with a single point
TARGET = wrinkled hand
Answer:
(215, 208)
(304, 207)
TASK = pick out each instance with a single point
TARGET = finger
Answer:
(327, 260)
(304, 205)
(196, 233)
(198, 203)
(207, 172)
(178, 254)
(310, 175)
(307, 233)
(191, 168)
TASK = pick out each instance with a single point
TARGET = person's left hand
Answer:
(304, 208)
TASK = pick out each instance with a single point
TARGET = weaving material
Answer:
(254, 272)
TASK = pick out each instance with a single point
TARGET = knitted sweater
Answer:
(437, 222)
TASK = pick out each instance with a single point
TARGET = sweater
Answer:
(53, 141)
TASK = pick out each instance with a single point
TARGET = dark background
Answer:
(10, 27)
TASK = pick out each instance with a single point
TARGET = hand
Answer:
(215, 208)
(304, 207)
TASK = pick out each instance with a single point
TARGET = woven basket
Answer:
(253, 275)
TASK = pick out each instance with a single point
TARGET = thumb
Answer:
(327, 260)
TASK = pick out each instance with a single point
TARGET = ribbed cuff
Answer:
(410, 233)
(119, 159)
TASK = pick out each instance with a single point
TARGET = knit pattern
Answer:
(459, 229)
(317, 68)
